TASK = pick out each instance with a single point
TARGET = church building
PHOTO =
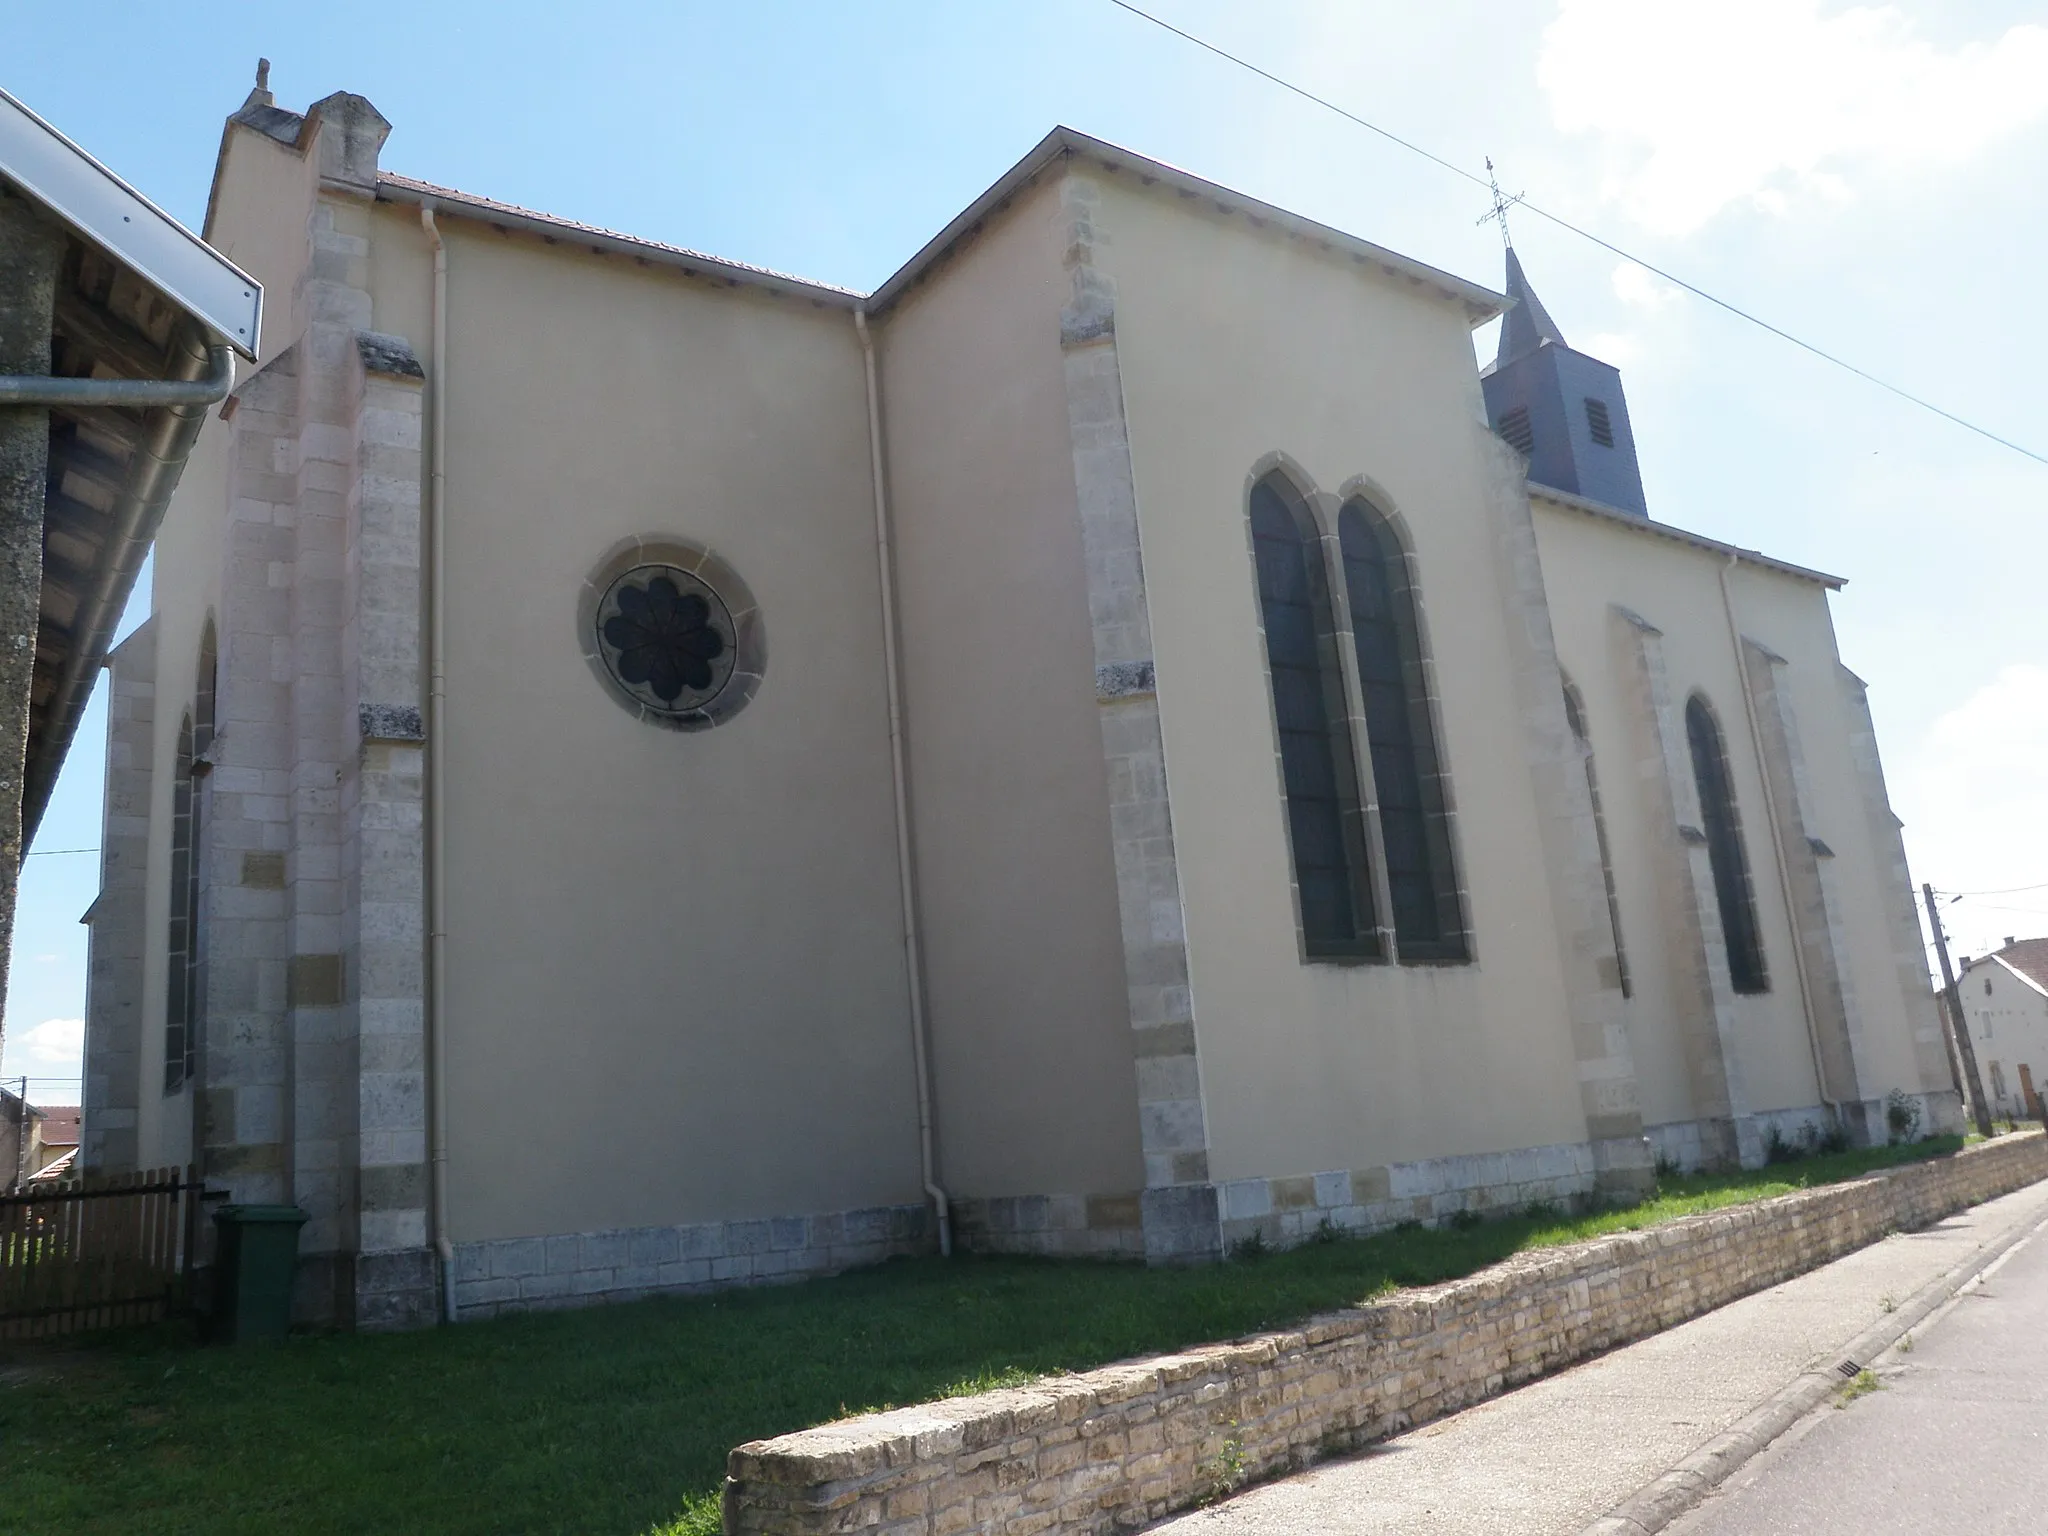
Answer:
(645, 773)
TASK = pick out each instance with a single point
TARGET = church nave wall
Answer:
(1621, 593)
(1242, 352)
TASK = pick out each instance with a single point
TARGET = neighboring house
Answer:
(55, 1139)
(20, 1133)
(1095, 747)
(35, 1137)
(2005, 998)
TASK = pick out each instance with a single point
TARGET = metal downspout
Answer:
(913, 960)
(1756, 739)
(437, 740)
(159, 461)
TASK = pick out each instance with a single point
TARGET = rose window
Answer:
(666, 638)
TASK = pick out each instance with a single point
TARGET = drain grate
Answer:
(1849, 1368)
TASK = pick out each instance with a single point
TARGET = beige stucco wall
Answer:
(1590, 564)
(685, 945)
(1036, 1092)
(1237, 345)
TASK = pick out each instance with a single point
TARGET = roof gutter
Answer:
(201, 375)
(446, 201)
(1601, 511)
(47, 389)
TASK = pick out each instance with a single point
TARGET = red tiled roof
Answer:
(2029, 957)
(483, 207)
(60, 1124)
(62, 1168)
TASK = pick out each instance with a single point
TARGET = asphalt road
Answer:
(1552, 1457)
(1956, 1439)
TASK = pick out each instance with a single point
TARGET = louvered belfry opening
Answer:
(1599, 423)
(1515, 430)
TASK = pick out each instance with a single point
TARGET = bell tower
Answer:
(1561, 409)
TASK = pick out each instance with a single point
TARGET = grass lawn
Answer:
(616, 1420)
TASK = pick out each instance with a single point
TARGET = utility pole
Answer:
(1957, 1028)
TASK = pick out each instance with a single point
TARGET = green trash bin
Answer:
(256, 1254)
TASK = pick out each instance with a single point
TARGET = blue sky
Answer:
(1868, 177)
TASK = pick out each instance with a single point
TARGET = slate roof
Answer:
(1528, 325)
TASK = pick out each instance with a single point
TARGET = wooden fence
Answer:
(97, 1252)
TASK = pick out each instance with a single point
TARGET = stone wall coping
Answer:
(937, 1450)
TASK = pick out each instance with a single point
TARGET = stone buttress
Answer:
(313, 1064)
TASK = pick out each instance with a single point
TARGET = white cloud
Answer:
(1636, 287)
(54, 1048)
(1771, 100)
(1621, 348)
(1971, 798)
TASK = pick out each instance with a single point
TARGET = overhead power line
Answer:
(1584, 234)
(2010, 890)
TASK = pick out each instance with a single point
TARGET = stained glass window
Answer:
(1732, 891)
(1401, 735)
(666, 638)
(1318, 775)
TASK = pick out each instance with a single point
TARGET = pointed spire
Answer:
(1528, 325)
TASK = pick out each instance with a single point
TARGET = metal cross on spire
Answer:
(1501, 205)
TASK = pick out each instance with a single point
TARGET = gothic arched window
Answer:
(1575, 717)
(178, 977)
(1723, 828)
(1408, 780)
(1317, 772)
(182, 987)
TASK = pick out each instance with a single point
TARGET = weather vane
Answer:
(1501, 205)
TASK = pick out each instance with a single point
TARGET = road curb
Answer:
(1659, 1502)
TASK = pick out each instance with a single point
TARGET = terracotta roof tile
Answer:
(484, 207)
(2029, 957)
(62, 1168)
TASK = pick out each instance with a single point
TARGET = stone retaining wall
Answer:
(1116, 1448)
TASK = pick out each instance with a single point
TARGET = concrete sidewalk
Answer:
(1556, 1455)
(1955, 1442)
